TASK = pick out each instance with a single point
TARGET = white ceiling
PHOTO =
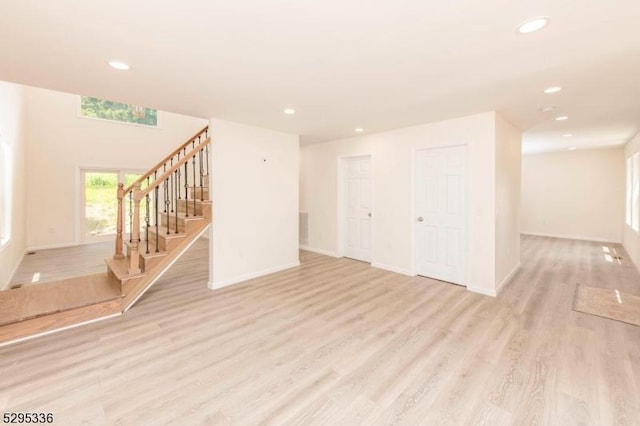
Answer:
(342, 64)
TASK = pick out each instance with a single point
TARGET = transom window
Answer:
(115, 111)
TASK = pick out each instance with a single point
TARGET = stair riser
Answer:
(186, 226)
(150, 262)
(165, 244)
(110, 272)
(183, 209)
(199, 194)
(130, 284)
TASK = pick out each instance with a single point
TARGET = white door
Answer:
(440, 215)
(357, 208)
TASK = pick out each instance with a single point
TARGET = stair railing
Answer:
(161, 186)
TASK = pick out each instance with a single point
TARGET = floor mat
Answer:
(610, 304)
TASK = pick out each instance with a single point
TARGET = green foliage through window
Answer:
(109, 110)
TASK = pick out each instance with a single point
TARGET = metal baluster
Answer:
(167, 201)
(201, 175)
(175, 196)
(147, 217)
(186, 185)
(166, 190)
(206, 150)
(155, 176)
(193, 165)
(178, 175)
(130, 216)
(171, 183)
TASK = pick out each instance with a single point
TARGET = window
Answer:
(115, 111)
(5, 193)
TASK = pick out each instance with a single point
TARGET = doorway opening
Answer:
(100, 202)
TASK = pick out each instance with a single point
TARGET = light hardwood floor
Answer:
(338, 342)
(61, 263)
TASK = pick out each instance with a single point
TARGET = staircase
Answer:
(164, 212)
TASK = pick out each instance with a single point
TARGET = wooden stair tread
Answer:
(37, 300)
(183, 216)
(163, 234)
(120, 268)
(153, 253)
(152, 250)
(191, 200)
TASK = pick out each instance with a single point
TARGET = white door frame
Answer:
(341, 173)
(414, 252)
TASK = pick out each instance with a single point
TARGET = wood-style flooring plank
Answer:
(338, 342)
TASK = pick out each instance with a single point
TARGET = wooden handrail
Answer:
(158, 181)
(141, 179)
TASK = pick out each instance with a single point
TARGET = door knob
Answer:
(420, 219)
(369, 214)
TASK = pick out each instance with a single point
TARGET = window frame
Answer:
(82, 237)
(106, 120)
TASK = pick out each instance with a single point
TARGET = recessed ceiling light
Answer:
(119, 65)
(547, 109)
(562, 118)
(552, 89)
(567, 135)
(533, 25)
(572, 148)
(359, 129)
(289, 111)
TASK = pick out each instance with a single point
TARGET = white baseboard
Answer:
(319, 251)
(508, 278)
(53, 246)
(485, 291)
(573, 237)
(494, 293)
(392, 269)
(214, 285)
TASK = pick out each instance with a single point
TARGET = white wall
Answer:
(255, 202)
(392, 155)
(508, 165)
(60, 143)
(575, 194)
(631, 238)
(12, 119)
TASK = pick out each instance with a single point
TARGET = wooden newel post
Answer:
(119, 254)
(134, 261)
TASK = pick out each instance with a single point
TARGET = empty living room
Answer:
(320, 212)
